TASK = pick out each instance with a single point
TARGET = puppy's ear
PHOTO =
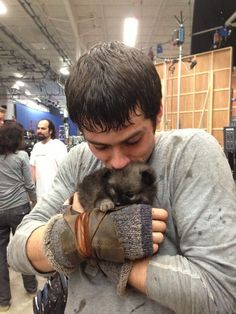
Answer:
(148, 176)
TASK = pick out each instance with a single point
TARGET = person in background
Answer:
(185, 264)
(2, 114)
(46, 156)
(16, 189)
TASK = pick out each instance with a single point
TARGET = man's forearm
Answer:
(35, 251)
(33, 173)
(138, 275)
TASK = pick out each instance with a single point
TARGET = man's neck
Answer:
(46, 140)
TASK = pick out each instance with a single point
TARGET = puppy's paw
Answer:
(105, 205)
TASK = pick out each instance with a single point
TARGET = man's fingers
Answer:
(159, 218)
(158, 226)
(159, 214)
(76, 204)
(157, 237)
(155, 247)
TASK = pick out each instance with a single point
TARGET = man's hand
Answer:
(135, 272)
(138, 273)
(159, 218)
(76, 204)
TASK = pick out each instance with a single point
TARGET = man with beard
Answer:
(3, 111)
(46, 156)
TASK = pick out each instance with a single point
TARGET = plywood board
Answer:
(204, 95)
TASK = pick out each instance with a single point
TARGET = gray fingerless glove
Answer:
(134, 229)
(63, 259)
(117, 273)
(112, 236)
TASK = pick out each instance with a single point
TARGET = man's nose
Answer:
(118, 160)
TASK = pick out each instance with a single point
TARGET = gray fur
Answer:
(107, 188)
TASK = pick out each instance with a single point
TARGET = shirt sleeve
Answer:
(50, 204)
(61, 151)
(75, 165)
(202, 277)
(26, 171)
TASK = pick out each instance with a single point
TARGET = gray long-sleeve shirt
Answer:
(195, 269)
(16, 185)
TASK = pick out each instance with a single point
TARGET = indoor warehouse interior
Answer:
(192, 46)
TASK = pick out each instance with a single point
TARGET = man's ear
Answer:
(160, 114)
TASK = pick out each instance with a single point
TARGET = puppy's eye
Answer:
(112, 191)
(130, 194)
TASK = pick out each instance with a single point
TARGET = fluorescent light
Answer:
(37, 99)
(15, 86)
(20, 83)
(64, 71)
(130, 31)
(27, 92)
(3, 8)
(18, 75)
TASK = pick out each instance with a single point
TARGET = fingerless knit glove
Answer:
(117, 273)
(113, 236)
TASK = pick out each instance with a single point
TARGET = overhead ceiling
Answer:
(38, 37)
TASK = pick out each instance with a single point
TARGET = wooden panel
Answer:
(186, 103)
(200, 120)
(220, 118)
(200, 100)
(222, 79)
(233, 108)
(171, 104)
(172, 86)
(186, 120)
(187, 84)
(201, 82)
(219, 135)
(221, 59)
(203, 62)
(221, 99)
(159, 68)
(205, 93)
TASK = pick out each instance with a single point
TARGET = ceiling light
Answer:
(37, 99)
(18, 75)
(20, 83)
(3, 8)
(15, 86)
(27, 92)
(64, 71)
(130, 31)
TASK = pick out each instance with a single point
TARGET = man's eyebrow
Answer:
(139, 132)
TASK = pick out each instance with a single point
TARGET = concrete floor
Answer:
(21, 302)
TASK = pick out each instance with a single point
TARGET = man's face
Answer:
(43, 132)
(116, 149)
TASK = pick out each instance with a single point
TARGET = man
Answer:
(2, 114)
(46, 156)
(114, 94)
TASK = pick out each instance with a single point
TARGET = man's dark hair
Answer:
(108, 83)
(51, 127)
(11, 138)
